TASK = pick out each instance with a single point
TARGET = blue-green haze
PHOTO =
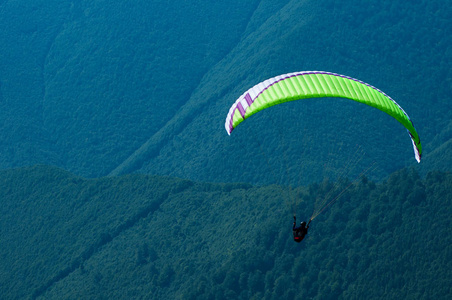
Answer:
(103, 88)
(119, 181)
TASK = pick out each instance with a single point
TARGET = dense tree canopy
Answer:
(151, 237)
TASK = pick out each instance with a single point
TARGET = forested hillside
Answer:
(105, 88)
(136, 236)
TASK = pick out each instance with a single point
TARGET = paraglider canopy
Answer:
(316, 84)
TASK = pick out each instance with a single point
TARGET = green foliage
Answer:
(66, 237)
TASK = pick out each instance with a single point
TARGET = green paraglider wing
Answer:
(316, 84)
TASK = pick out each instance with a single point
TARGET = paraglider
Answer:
(316, 84)
(301, 231)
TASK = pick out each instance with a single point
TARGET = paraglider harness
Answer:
(299, 232)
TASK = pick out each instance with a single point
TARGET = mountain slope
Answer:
(85, 83)
(300, 37)
(102, 88)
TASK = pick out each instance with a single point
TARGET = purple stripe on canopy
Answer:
(248, 99)
(241, 109)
